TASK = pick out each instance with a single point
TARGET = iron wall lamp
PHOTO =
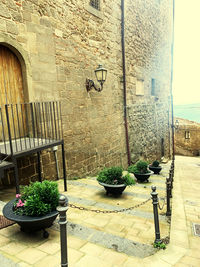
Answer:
(176, 124)
(100, 74)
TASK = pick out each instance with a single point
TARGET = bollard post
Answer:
(154, 195)
(62, 209)
(172, 168)
(168, 185)
(172, 177)
(172, 171)
(171, 183)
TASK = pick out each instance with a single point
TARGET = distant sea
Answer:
(188, 111)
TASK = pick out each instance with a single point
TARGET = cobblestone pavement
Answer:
(121, 239)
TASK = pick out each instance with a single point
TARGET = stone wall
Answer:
(149, 131)
(187, 138)
(148, 57)
(61, 43)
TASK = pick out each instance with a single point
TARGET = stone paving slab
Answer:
(183, 249)
(140, 226)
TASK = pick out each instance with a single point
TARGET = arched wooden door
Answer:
(11, 86)
(11, 92)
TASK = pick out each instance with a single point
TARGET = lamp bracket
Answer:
(90, 84)
(175, 126)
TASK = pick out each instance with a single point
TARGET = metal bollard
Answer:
(62, 209)
(172, 171)
(154, 195)
(172, 167)
(168, 185)
(171, 177)
(171, 183)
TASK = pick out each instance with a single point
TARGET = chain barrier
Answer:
(163, 204)
(110, 211)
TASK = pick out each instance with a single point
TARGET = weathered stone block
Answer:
(58, 33)
(2, 25)
(17, 16)
(21, 39)
(44, 57)
(45, 21)
(26, 16)
(4, 12)
(27, 172)
(31, 27)
(12, 27)
(11, 4)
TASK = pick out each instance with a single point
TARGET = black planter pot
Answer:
(28, 223)
(156, 170)
(113, 189)
(142, 177)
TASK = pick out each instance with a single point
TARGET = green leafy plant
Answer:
(159, 245)
(140, 167)
(115, 176)
(37, 199)
(132, 168)
(155, 163)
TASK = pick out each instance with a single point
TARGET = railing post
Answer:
(168, 185)
(62, 209)
(154, 195)
(9, 130)
(33, 121)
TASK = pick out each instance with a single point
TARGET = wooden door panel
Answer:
(11, 92)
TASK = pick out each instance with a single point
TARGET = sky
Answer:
(186, 70)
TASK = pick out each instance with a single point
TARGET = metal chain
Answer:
(164, 202)
(110, 211)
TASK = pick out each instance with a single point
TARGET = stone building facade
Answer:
(187, 138)
(60, 43)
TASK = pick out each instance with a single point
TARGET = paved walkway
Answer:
(121, 239)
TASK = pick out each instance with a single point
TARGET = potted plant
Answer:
(114, 180)
(140, 170)
(35, 208)
(155, 167)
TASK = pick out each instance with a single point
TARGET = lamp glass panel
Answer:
(99, 75)
(104, 75)
(177, 123)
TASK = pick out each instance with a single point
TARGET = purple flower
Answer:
(18, 195)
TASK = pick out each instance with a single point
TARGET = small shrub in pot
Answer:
(37, 199)
(155, 167)
(114, 180)
(155, 163)
(115, 176)
(140, 170)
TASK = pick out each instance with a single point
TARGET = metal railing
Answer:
(29, 125)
